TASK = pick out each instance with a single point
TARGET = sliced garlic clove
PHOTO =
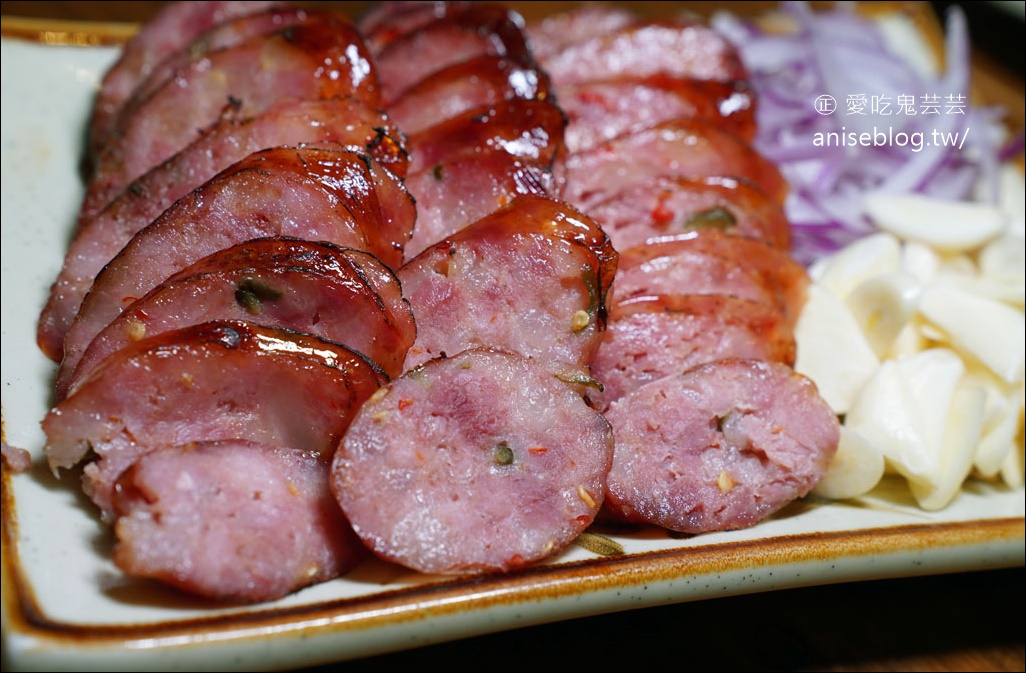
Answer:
(921, 261)
(831, 349)
(883, 306)
(1001, 420)
(1002, 264)
(1014, 467)
(902, 406)
(857, 467)
(954, 458)
(942, 224)
(992, 332)
(909, 341)
(867, 257)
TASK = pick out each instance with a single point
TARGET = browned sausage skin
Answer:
(345, 121)
(480, 28)
(171, 29)
(340, 294)
(212, 381)
(342, 196)
(478, 82)
(315, 59)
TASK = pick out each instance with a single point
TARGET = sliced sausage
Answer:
(600, 110)
(342, 197)
(467, 187)
(219, 380)
(556, 32)
(171, 29)
(676, 148)
(652, 337)
(483, 461)
(343, 295)
(222, 36)
(530, 278)
(711, 262)
(719, 447)
(478, 82)
(483, 28)
(384, 22)
(675, 48)
(528, 129)
(232, 521)
(345, 120)
(667, 206)
(321, 58)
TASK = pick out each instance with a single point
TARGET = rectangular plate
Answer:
(66, 606)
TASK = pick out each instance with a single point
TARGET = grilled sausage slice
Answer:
(171, 29)
(232, 521)
(475, 30)
(340, 294)
(674, 48)
(677, 148)
(478, 82)
(343, 197)
(484, 461)
(529, 129)
(652, 337)
(530, 278)
(557, 32)
(668, 206)
(465, 188)
(718, 447)
(711, 262)
(345, 121)
(600, 110)
(387, 21)
(212, 381)
(320, 58)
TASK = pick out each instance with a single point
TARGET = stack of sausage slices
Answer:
(714, 430)
(434, 285)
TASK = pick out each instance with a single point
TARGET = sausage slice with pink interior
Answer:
(484, 461)
(342, 197)
(218, 380)
(232, 520)
(718, 447)
(340, 294)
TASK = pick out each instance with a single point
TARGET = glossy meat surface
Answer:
(342, 197)
(212, 381)
(340, 294)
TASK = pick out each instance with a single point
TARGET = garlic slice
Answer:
(942, 224)
(883, 306)
(857, 467)
(992, 332)
(832, 350)
(954, 457)
(902, 407)
(863, 259)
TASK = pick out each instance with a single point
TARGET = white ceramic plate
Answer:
(66, 606)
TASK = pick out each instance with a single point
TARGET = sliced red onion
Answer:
(842, 54)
